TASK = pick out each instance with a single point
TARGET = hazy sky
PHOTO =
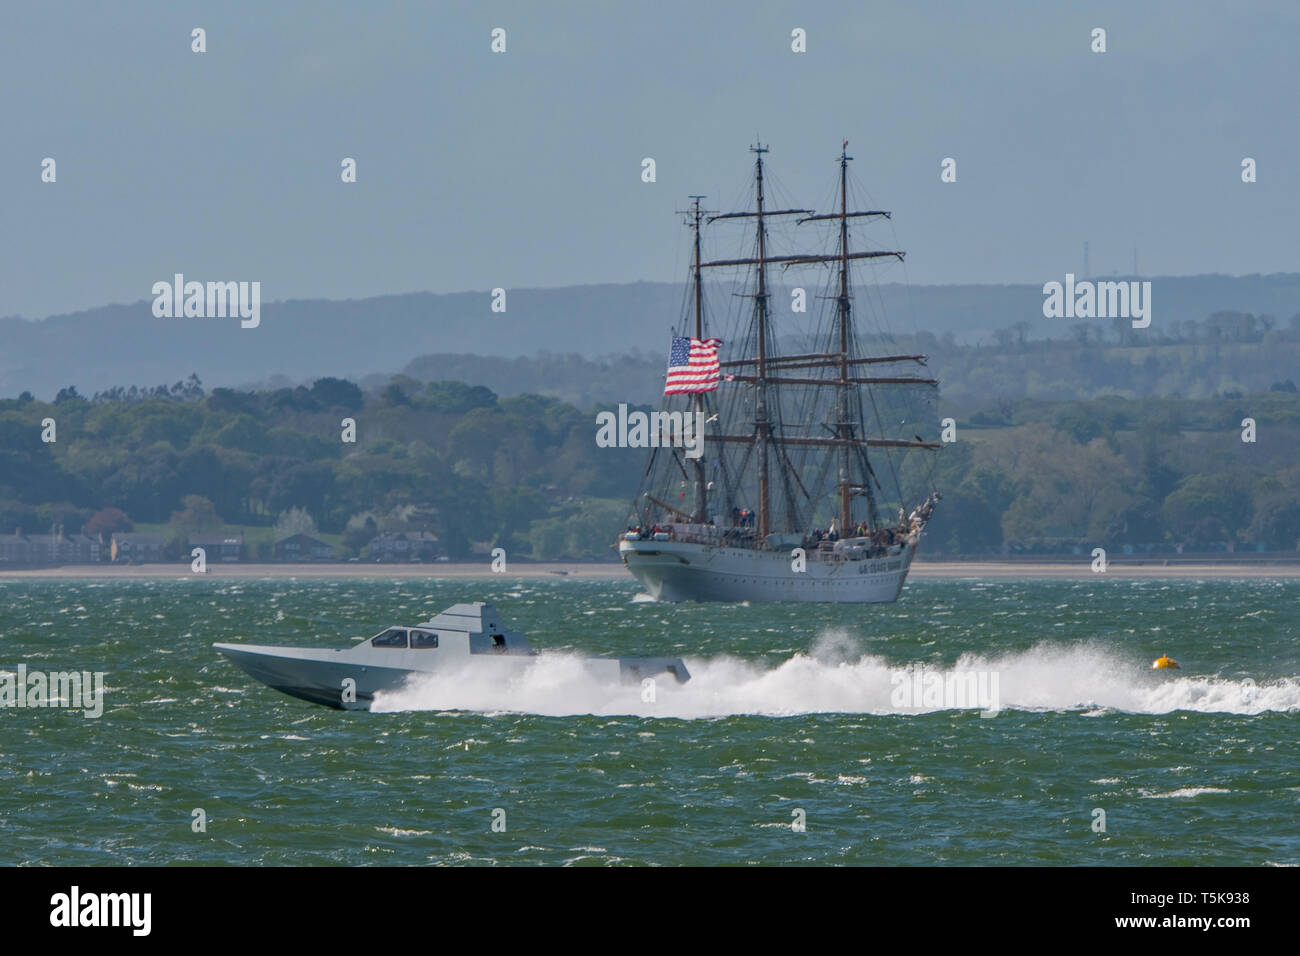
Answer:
(521, 169)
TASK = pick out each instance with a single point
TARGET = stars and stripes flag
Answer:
(692, 366)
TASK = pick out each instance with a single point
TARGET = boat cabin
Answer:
(461, 629)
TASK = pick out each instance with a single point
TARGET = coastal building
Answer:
(30, 550)
(405, 546)
(219, 547)
(133, 548)
(302, 547)
(13, 548)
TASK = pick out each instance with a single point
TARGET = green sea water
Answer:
(793, 714)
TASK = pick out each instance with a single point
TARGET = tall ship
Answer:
(803, 484)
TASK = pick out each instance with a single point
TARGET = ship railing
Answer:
(705, 534)
(852, 549)
(843, 549)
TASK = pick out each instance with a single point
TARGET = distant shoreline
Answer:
(985, 570)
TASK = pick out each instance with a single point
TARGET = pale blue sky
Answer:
(479, 170)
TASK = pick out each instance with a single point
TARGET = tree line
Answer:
(524, 472)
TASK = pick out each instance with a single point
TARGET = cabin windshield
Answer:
(422, 639)
(393, 637)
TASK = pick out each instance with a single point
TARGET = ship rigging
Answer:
(784, 423)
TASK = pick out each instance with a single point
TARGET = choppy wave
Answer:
(833, 676)
(1186, 793)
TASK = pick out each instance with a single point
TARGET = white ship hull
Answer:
(687, 571)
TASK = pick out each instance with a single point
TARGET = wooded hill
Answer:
(524, 472)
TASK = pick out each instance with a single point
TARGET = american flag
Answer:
(692, 366)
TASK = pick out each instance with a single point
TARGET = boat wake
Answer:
(833, 676)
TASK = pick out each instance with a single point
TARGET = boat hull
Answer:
(316, 675)
(321, 675)
(687, 571)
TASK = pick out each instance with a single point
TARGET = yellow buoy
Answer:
(1164, 662)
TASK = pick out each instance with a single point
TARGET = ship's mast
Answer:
(845, 433)
(846, 388)
(764, 370)
(761, 424)
(697, 399)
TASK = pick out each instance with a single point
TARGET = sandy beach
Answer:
(1008, 570)
(989, 570)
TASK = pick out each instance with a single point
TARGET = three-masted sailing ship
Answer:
(784, 502)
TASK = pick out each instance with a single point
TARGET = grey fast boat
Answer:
(463, 637)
